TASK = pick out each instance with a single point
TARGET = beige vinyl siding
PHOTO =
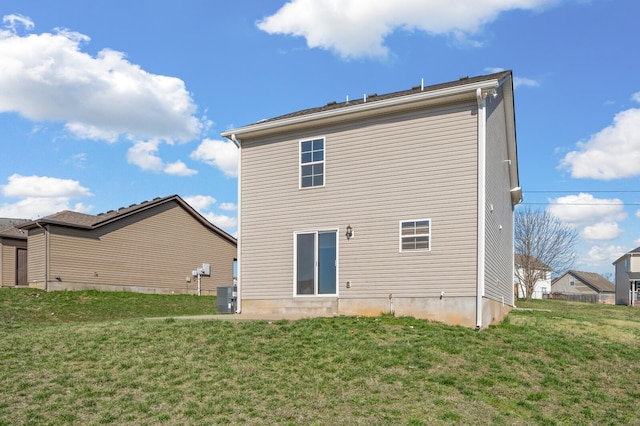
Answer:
(151, 251)
(634, 263)
(564, 286)
(36, 257)
(8, 260)
(415, 165)
(499, 220)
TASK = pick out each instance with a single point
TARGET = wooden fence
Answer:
(607, 299)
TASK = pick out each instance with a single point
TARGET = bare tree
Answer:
(543, 244)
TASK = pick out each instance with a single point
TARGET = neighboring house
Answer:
(152, 247)
(628, 278)
(584, 283)
(543, 283)
(13, 254)
(397, 203)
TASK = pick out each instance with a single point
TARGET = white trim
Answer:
(324, 161)
(482, 160)
(239, 230)
(400, 222)
(315, 272)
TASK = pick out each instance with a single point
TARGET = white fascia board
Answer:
(363, 108)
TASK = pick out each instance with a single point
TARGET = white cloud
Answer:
(354, 28)
(222, 221)
(204, 205)
(636, 97)
(41, 196)
(597, 218)
(144, 155)
(523, 81)
(47, 77)
(601, 231)
(43, 186)
(584, 209)
(612, 153)
(223, 155)
(178, 168)
(228, 206)
(603, 254)
(200, 202)
(12, 20)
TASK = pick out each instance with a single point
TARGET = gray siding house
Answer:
(584, 283)
(399, 203)
(628, 278)
(151, 247)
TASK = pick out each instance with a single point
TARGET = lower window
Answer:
(415, 235)
(315, 263)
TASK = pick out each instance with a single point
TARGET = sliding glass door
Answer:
(316, 259)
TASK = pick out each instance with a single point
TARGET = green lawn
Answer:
(96, 361)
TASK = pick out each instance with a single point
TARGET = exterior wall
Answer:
(622, 283)
(8, 260)
(540, 288)
(498, 207)
(153, 251)
(378, 172)
(36, 258)
(563, 285)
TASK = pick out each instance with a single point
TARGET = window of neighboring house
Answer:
(415, 235)
(572, 281)
(312, 163)
(316, 263)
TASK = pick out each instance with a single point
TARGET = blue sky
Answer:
(107, 104)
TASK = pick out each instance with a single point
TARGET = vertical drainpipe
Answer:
(238, 144)
(482, 153)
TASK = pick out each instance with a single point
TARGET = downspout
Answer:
(482, 154)
(46, 254)
(238, 144)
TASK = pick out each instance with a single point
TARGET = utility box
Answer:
(226, 299)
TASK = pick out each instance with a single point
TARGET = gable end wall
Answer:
(415, 165)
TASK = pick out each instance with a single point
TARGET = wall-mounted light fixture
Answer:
(349, 232)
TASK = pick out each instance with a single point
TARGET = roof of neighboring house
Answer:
(593, 280)
(6, 222)
(523, 260)
(87, 221)
(635, 251)
(13, 232)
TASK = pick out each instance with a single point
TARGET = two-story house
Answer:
(398, 203)
(628, 278)
(531, 269)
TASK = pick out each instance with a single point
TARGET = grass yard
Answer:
(95, 361)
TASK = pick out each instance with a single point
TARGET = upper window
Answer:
(415, 235)
(312, 163)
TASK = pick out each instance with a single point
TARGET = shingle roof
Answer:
(13, 232)
(88, 221)
(6, 222)
(595, 281)
(522, 260)
(372, 98)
